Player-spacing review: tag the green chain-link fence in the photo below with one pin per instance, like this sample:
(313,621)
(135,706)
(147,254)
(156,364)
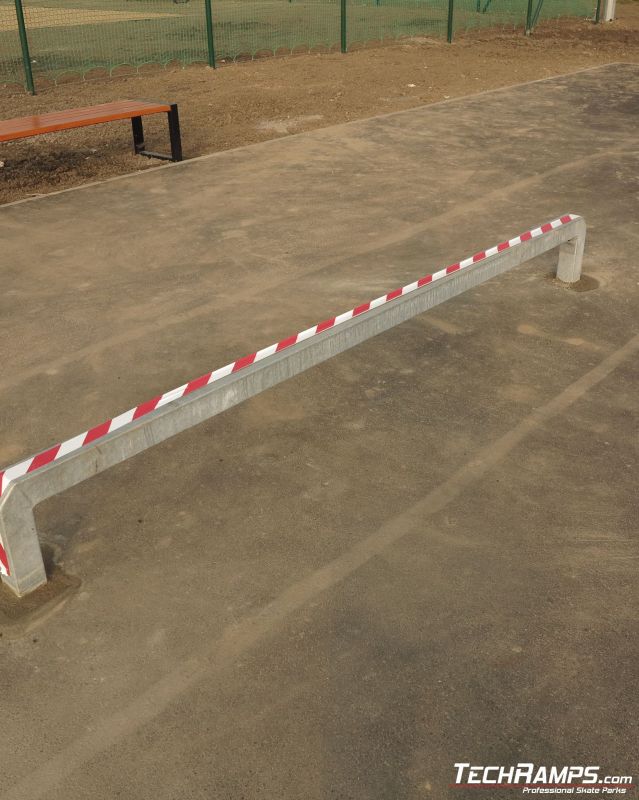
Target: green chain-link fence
(88,37)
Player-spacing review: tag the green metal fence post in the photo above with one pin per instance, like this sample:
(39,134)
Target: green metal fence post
(449,35)
(342,25)
(210,41)
(24,44)
(598,13)
(536,14)
(529,18)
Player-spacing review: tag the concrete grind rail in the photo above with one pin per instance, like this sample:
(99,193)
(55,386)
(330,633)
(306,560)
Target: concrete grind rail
(62,466)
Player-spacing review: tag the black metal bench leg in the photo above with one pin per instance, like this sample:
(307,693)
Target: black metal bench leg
(174,133)
(138,135)
(174,136)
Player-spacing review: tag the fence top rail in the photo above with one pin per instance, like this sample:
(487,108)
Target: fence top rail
(57,451)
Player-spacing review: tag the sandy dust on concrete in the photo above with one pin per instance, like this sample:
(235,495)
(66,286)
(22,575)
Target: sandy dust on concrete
(249,102)
(462,491)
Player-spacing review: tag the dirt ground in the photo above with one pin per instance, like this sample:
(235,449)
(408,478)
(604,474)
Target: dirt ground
(52,18)
(249,102)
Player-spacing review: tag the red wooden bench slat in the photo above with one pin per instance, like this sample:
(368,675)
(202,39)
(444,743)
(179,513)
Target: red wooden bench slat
(23,127)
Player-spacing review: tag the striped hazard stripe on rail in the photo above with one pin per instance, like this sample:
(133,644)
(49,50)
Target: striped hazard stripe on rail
(71,445)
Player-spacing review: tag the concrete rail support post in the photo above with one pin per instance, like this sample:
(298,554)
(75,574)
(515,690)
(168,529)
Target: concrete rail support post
(30,482)
(571,255)
(21,544)
(609,7)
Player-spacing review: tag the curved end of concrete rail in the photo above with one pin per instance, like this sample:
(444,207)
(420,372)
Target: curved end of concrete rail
(62,466)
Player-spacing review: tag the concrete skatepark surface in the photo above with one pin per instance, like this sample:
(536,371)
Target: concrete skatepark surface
(421,552)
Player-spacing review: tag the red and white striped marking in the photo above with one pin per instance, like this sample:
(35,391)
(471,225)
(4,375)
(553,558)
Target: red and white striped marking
(83,439)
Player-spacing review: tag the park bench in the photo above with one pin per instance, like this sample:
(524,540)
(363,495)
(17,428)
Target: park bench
(134,110)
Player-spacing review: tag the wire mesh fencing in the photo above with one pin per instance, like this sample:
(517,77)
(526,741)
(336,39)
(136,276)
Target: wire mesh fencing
(50,39)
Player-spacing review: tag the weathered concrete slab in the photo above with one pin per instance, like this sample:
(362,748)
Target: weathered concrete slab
(421,552)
